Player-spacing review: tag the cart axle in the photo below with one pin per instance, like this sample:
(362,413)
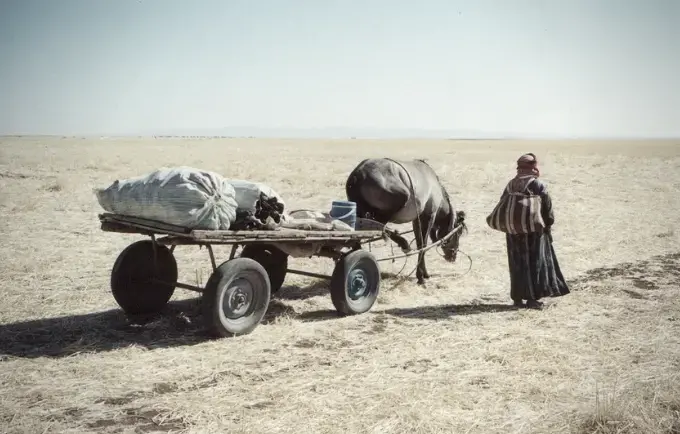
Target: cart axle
(178,285)
(308,274)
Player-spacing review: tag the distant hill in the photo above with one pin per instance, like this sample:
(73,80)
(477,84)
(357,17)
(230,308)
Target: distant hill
(338,132)
(343,133)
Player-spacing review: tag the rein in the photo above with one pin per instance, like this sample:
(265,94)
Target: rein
(425,249)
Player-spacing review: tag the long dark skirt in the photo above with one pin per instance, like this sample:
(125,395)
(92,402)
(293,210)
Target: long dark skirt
(534,270)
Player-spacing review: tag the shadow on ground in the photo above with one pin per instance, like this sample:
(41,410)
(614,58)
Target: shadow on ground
(649,274)
(448,310)
(296,292)
(180,324)
(321,287)
(103,331)
(423,312)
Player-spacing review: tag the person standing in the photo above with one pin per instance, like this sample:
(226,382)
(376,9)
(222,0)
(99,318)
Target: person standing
(534,270)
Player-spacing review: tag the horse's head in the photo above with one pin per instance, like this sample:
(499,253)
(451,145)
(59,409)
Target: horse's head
(455,221)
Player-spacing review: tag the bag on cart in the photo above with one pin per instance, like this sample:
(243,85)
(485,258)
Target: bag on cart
(182,196)
(259,206)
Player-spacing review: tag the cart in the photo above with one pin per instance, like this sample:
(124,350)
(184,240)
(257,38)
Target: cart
(237,294)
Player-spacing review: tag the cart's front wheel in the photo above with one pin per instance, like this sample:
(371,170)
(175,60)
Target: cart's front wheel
(236,297)
(138,285)
(274,261)
(355,283)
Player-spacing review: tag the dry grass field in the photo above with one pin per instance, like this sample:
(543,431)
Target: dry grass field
(452,357)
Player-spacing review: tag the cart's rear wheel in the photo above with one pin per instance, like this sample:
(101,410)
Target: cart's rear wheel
(236,297)
(133,275)
(355,283)
(274,261)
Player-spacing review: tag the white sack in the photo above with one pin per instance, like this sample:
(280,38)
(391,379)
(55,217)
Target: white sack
(248,193)
(182,196)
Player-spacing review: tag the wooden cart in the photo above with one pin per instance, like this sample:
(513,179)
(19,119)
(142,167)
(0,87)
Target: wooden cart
(237,294)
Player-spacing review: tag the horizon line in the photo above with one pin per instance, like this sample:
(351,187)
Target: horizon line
(333,137)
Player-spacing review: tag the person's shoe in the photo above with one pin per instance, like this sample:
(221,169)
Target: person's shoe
(519,303)
(534,304)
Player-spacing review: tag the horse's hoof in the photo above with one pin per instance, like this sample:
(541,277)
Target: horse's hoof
(421,282)
(426,276)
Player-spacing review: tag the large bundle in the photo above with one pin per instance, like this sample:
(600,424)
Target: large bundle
(183,196)
(248,193)
(259,206)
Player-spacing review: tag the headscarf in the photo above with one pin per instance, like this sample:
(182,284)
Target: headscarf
(527,165)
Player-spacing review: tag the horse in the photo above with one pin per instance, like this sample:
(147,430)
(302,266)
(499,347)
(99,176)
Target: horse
(391,191)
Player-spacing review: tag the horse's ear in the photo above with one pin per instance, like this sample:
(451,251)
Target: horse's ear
(460,220)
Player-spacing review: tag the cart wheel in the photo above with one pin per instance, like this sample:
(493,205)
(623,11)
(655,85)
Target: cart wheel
(274,261)
(132,274)
(236,297)
(355,283)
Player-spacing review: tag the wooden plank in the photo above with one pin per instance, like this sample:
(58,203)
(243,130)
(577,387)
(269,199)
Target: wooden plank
(128,224)
(280,234)
(179,240)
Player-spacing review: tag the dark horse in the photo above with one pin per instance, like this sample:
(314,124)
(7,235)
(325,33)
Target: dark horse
(390,191)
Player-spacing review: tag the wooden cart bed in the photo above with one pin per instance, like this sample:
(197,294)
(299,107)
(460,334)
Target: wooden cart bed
(180,235)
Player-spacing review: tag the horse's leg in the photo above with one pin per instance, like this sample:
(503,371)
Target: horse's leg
(420,232)
(398,240)
(423,234)
(364,210)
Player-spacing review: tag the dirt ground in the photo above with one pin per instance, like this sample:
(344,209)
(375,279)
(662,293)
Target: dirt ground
(450,357)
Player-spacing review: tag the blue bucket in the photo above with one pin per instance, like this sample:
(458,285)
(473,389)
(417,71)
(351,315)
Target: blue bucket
(344,211)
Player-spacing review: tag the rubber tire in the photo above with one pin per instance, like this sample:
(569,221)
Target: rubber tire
(272,259)
(365,263)
(219,283)
(131,275)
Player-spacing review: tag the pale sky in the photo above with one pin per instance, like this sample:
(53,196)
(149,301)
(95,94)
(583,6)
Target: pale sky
(536,67)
